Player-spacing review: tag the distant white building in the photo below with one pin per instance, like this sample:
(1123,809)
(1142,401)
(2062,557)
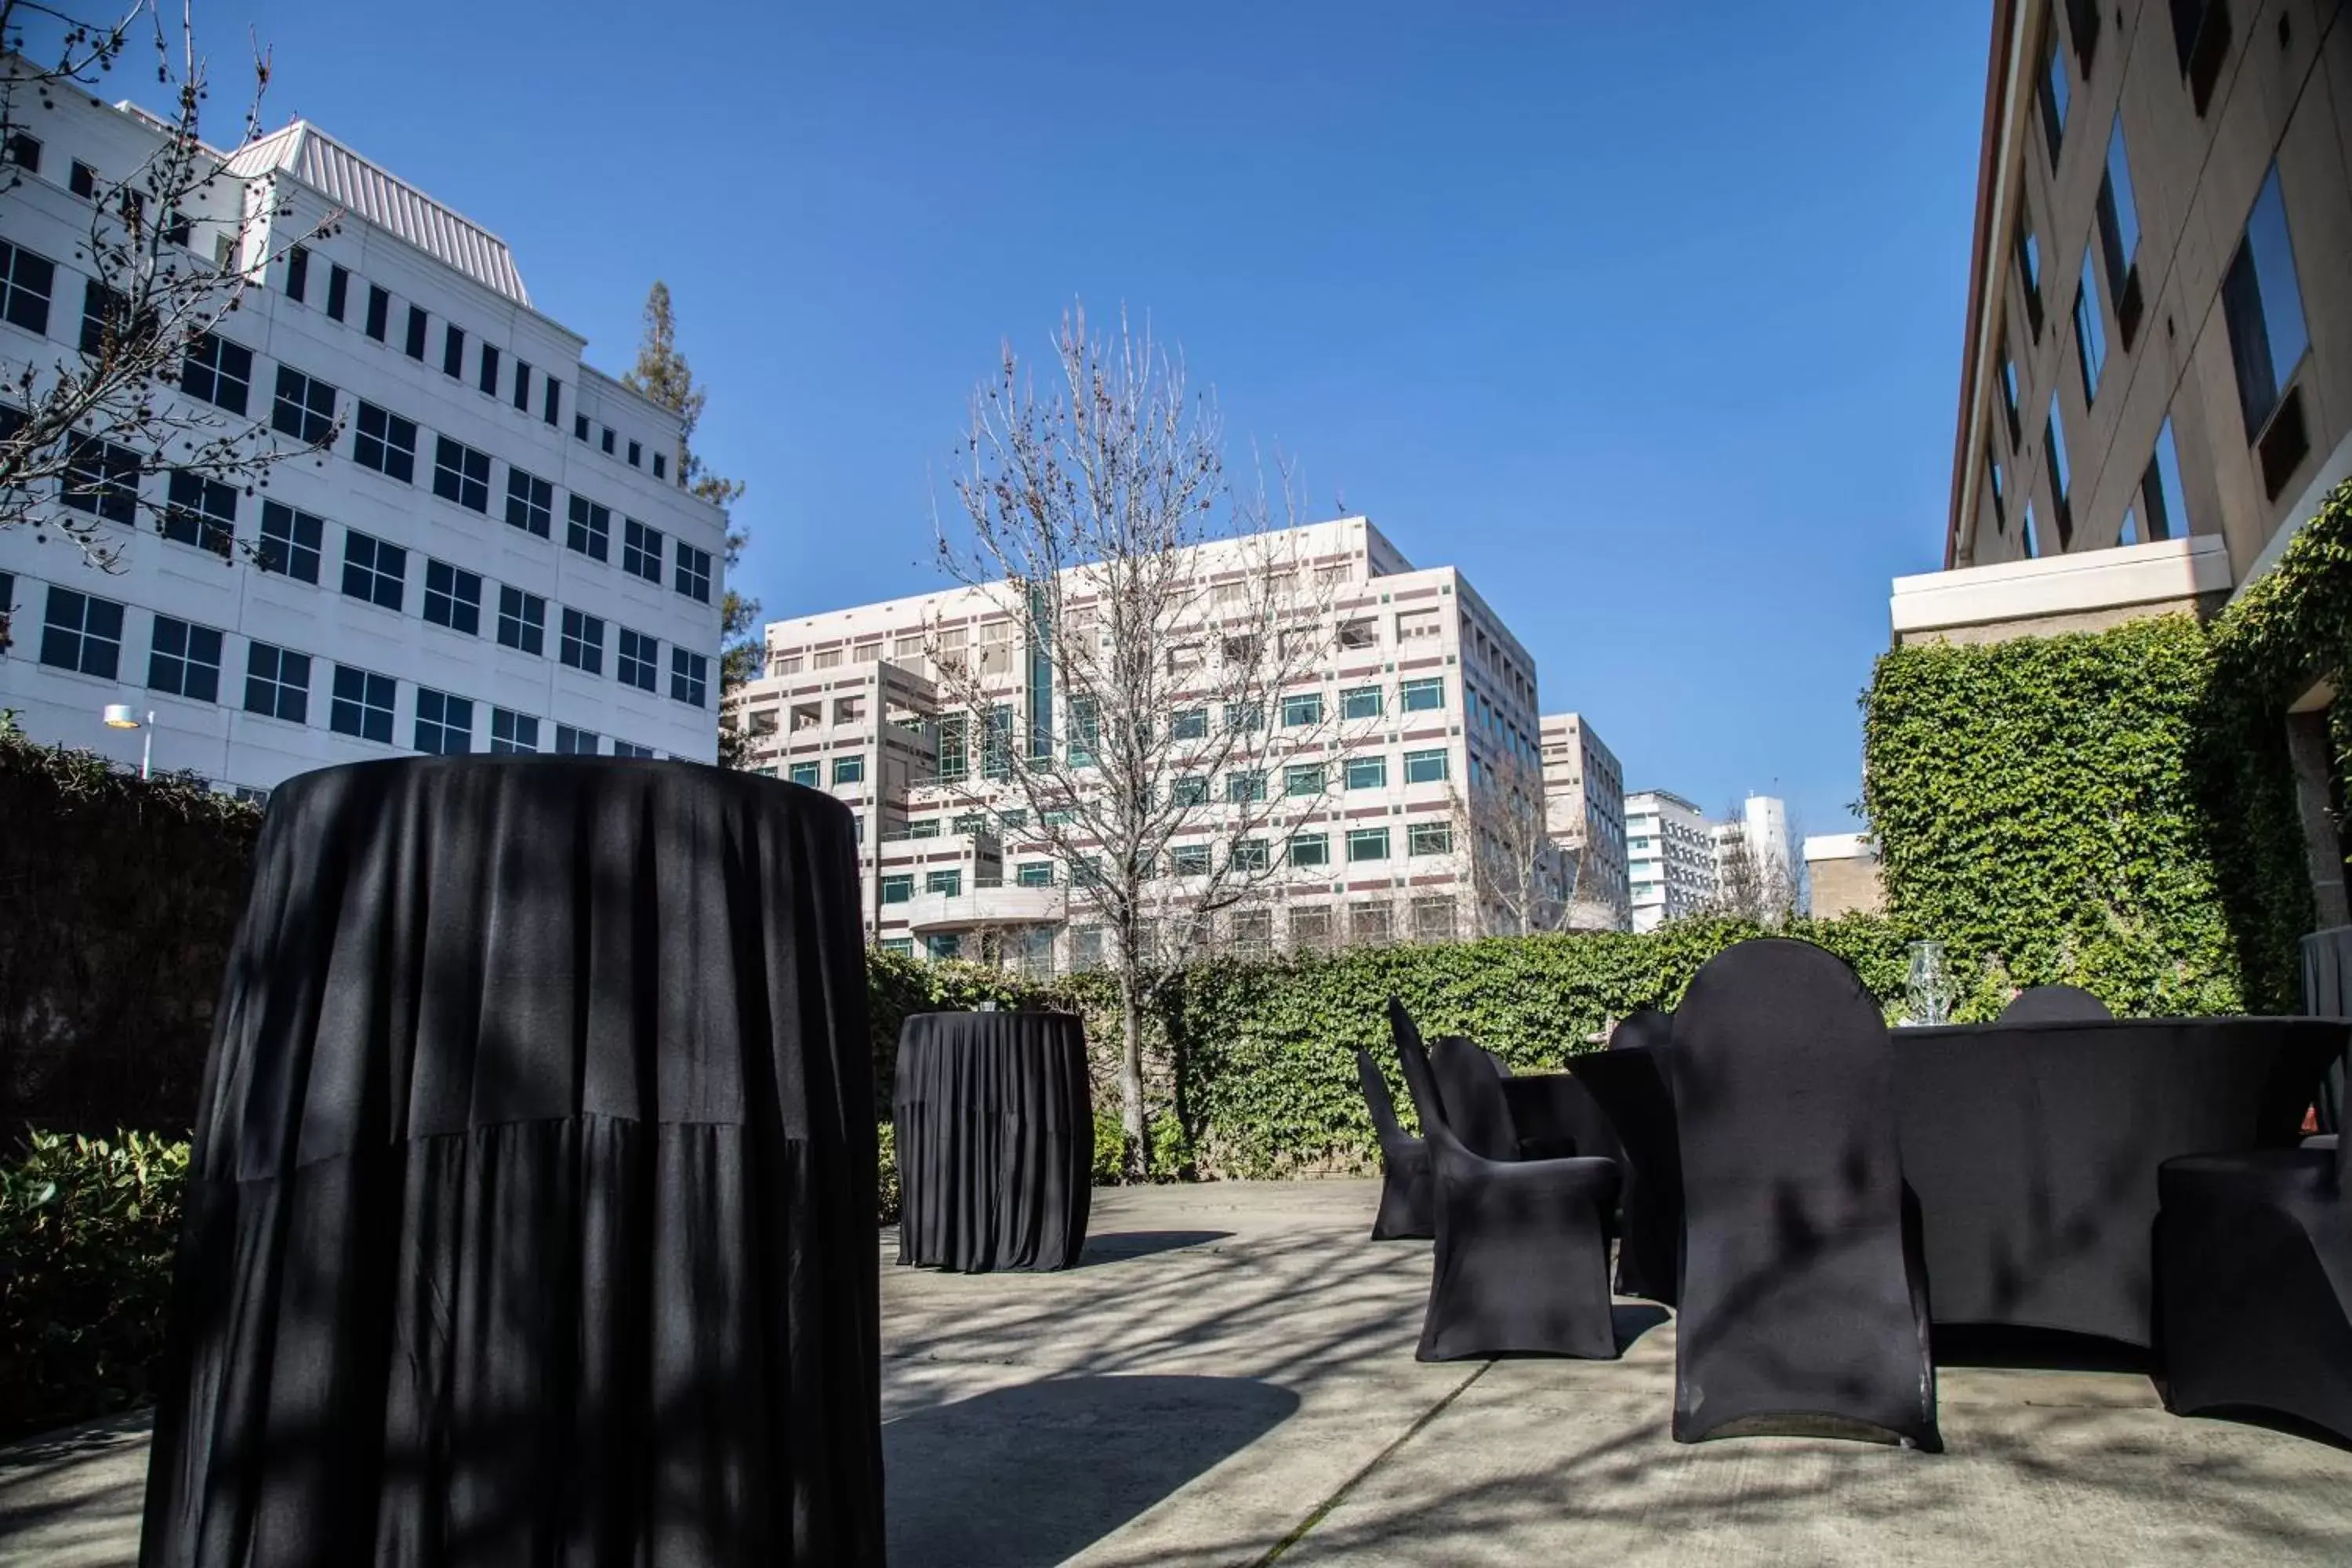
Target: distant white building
(1762,827)
(1669,857)
(495,554)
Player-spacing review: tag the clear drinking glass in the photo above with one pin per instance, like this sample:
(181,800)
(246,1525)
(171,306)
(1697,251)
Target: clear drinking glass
(1929,988)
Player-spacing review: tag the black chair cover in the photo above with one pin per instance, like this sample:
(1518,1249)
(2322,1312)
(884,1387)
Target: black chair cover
(1629,1083)
(1522,1258)
(1801,1295)
(1471,1087)
(996,1140)
(1406,1200)
(1556,1117)
(2254,1274)
(2328,994)
(530,1214)
(1641,1029)
(2053,1004)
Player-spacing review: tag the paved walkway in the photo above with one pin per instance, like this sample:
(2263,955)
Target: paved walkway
(1229,1379)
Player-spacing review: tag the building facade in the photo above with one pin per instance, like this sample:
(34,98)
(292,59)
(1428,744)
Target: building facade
(2157,378)
(1669,857)
(496,553)
(1436,691)
(1584,806)
(1842,873)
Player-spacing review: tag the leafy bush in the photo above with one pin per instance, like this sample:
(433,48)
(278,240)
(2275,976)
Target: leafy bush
(88,1230)
(886,1190)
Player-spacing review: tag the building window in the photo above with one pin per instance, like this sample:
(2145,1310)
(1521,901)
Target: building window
(1310,849)
(361,704)
(2025,534)
(305,409)
(218,371)
(1244,786)
(636,456)
(26,282)
(849,770)
(417,320)
(2082,21)
(22,150)
(2261,299)
(83,633)
(522,386)
(1433,919)
(488,381)
(1249,855)
(580,427)
(1425,695)
(2200,35)
(572,742)
(1429,838)
(591,531)
(1361,703)
(1303,779)
(1368,844)
(106,320)
(638,660)
(453,349)
(513,731)
(1244,718)
(200,511)
(2054,92)
(82,181)
(629,749)
(453,597)
(551,401)
(1188,724)
(462,475)
(693,576)
(661,465)
(641,550)
(2029,273)
(373,570)
(184,660)
(2090,333)
(339,291)
(379,312)
(531,502)
(2119,234)
(2161,494)
(298,273)
(386,443)
(948,883)
(290,541)
(689,677)
(607,442)
(2008,383)
(101,478)
(1992,480)
(2054,432)
(276,683)
(1368,772)
(444,724)
(1425,767)
(1187,860)
(523,620)
(805,773)
(1302,708)
(897,889)
(1189,789)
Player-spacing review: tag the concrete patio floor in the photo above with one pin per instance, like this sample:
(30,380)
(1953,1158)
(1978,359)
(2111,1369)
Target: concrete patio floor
(1229,1379)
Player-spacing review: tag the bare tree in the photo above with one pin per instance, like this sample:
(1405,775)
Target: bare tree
(170,250)
(1523,880)
(1751,883)
(1162,644)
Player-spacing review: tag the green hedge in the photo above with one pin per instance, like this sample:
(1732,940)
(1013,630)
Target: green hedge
(88,1229)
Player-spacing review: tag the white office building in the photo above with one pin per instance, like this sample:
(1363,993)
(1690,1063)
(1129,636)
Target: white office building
(496,553)
(1432,692)
(1669,857)
(1762,828)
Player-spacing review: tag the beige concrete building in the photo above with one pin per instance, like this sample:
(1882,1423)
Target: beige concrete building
(1584,807)
(1433,694)
(2155,380)
(1842,868)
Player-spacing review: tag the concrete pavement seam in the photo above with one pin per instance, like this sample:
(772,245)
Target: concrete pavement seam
(1322,1510)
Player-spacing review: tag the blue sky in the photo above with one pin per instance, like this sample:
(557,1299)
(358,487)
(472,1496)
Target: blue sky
(1647,318)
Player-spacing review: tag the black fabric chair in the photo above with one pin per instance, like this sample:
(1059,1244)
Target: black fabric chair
(1802,1291)
(1405,1175)
(1470,1083)
(1646,1026)
(2054,1005)
(1522,1259)
(2253,1267)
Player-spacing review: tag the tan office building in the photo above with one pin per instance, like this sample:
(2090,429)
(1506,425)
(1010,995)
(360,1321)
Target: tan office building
(2156,381)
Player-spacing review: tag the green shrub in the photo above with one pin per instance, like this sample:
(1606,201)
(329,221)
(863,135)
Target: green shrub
(88,1230)
(886,1190)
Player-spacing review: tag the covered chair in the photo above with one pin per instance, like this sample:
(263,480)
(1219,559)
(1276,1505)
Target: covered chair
(2253,1274)
(1404,1163)
(1803,1297)
(2054,1005)
(1470,1083)
(1643,1027)
(1522,1259)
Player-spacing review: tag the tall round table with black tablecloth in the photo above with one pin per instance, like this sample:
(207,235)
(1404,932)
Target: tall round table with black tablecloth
(1629,1083)
(531,1204)
(995,1140)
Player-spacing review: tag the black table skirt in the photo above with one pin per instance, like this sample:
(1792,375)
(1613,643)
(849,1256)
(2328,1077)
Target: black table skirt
(530,1211)
(996,1140)
(1628,1084)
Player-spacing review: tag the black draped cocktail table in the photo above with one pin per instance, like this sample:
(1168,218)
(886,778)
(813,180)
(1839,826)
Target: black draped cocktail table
(2032,1149)
(995,1137)
(531,1212)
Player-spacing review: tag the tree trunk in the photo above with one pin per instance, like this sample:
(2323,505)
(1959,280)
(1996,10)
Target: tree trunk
(1137,1153)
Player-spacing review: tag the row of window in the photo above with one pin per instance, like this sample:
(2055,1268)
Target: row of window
(1311,926)
(491,370)
(1245,854)
(84,634)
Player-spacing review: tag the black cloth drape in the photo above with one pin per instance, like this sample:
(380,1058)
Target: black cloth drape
(531,1212)
(996,1140)
(1407,1210)
(1629,1083)
(2328,994)
(1470,1083)
(1555,1117)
